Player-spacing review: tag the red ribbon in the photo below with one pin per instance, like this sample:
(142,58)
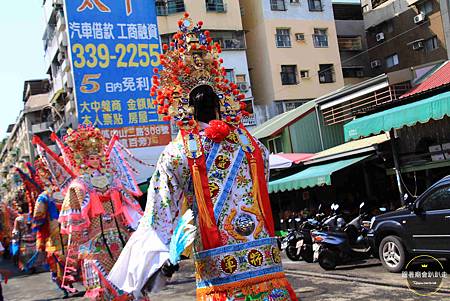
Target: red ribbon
(264,192)
(210,234)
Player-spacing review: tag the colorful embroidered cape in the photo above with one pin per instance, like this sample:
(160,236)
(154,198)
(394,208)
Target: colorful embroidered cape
(99,221)
(247,263)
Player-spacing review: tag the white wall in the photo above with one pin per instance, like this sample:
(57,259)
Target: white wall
(299,11)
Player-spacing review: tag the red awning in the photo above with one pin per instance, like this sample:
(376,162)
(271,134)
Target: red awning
(437,79)
(296,158)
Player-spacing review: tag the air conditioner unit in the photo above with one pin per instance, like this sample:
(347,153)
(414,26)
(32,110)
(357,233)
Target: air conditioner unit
(300,36)
(375,64)
(417,45)
(379,37)
(419,18)
(243,86)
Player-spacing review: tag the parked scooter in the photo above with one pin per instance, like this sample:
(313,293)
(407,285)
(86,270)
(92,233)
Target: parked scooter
(299,243)
(344,243)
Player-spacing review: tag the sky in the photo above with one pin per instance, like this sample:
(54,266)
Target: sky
(21,54)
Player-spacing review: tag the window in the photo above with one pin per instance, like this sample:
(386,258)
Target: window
(431,44)
(439,200)
(289,75)
(283,38)
(230,75)
(229,39)
(320,38)
(304,73)
(290,105)
(392,61)
(425,7)
(167,7)
(353,71)
(215,6)
(315,5)
(389,26)
(376,3)
(240,78)
(326,73)
(277,5)
(275,145)
(295,1)
(350,43)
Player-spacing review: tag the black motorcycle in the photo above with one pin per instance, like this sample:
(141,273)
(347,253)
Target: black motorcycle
(344,243)
(298,243)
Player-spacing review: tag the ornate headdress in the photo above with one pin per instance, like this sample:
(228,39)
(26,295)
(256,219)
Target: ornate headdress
(189,61)
(85,141)
(43,175)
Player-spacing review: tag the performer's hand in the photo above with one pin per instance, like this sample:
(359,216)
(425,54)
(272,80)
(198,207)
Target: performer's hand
(168,269)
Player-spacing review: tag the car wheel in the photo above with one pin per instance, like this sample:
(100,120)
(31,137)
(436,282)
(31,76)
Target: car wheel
(392,254)
(328,260)
(291,253)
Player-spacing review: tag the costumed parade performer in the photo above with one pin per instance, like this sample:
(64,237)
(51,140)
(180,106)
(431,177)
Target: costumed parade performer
(54,178)
(221,170)
(99,211)
(23,244)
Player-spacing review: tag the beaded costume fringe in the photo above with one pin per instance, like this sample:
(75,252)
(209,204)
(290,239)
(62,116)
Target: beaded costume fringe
(248,287)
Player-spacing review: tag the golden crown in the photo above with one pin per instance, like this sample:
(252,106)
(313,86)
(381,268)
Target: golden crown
(190,60)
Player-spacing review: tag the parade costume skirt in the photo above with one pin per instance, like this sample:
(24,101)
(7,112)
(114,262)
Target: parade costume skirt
(246,271)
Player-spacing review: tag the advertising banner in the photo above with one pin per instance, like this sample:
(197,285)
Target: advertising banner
(114,47)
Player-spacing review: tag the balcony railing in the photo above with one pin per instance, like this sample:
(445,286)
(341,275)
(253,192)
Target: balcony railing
(41,127)
(168,7)
(216,6)
(348,110)
(229,40)
(350,44)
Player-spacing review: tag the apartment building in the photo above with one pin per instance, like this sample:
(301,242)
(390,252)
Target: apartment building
(403,34)
(34,119)
(292,51)
(223,19)
(352,42)
(56,55)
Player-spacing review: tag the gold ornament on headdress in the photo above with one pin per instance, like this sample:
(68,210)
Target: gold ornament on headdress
(83,142)
(190,60)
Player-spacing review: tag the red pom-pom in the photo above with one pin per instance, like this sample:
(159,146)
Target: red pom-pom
(191,122)
(217,130)
(180,22)
(186,15)
(166,118)
(165,47)
(200,23)
(180,123)
(235,92)
(228,118)
(243,105)
(207,33)
(155,70)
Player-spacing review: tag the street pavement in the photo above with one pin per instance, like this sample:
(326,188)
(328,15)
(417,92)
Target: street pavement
(366,281)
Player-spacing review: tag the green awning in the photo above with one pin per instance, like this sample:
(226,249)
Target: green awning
(435,107)
(314,176)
